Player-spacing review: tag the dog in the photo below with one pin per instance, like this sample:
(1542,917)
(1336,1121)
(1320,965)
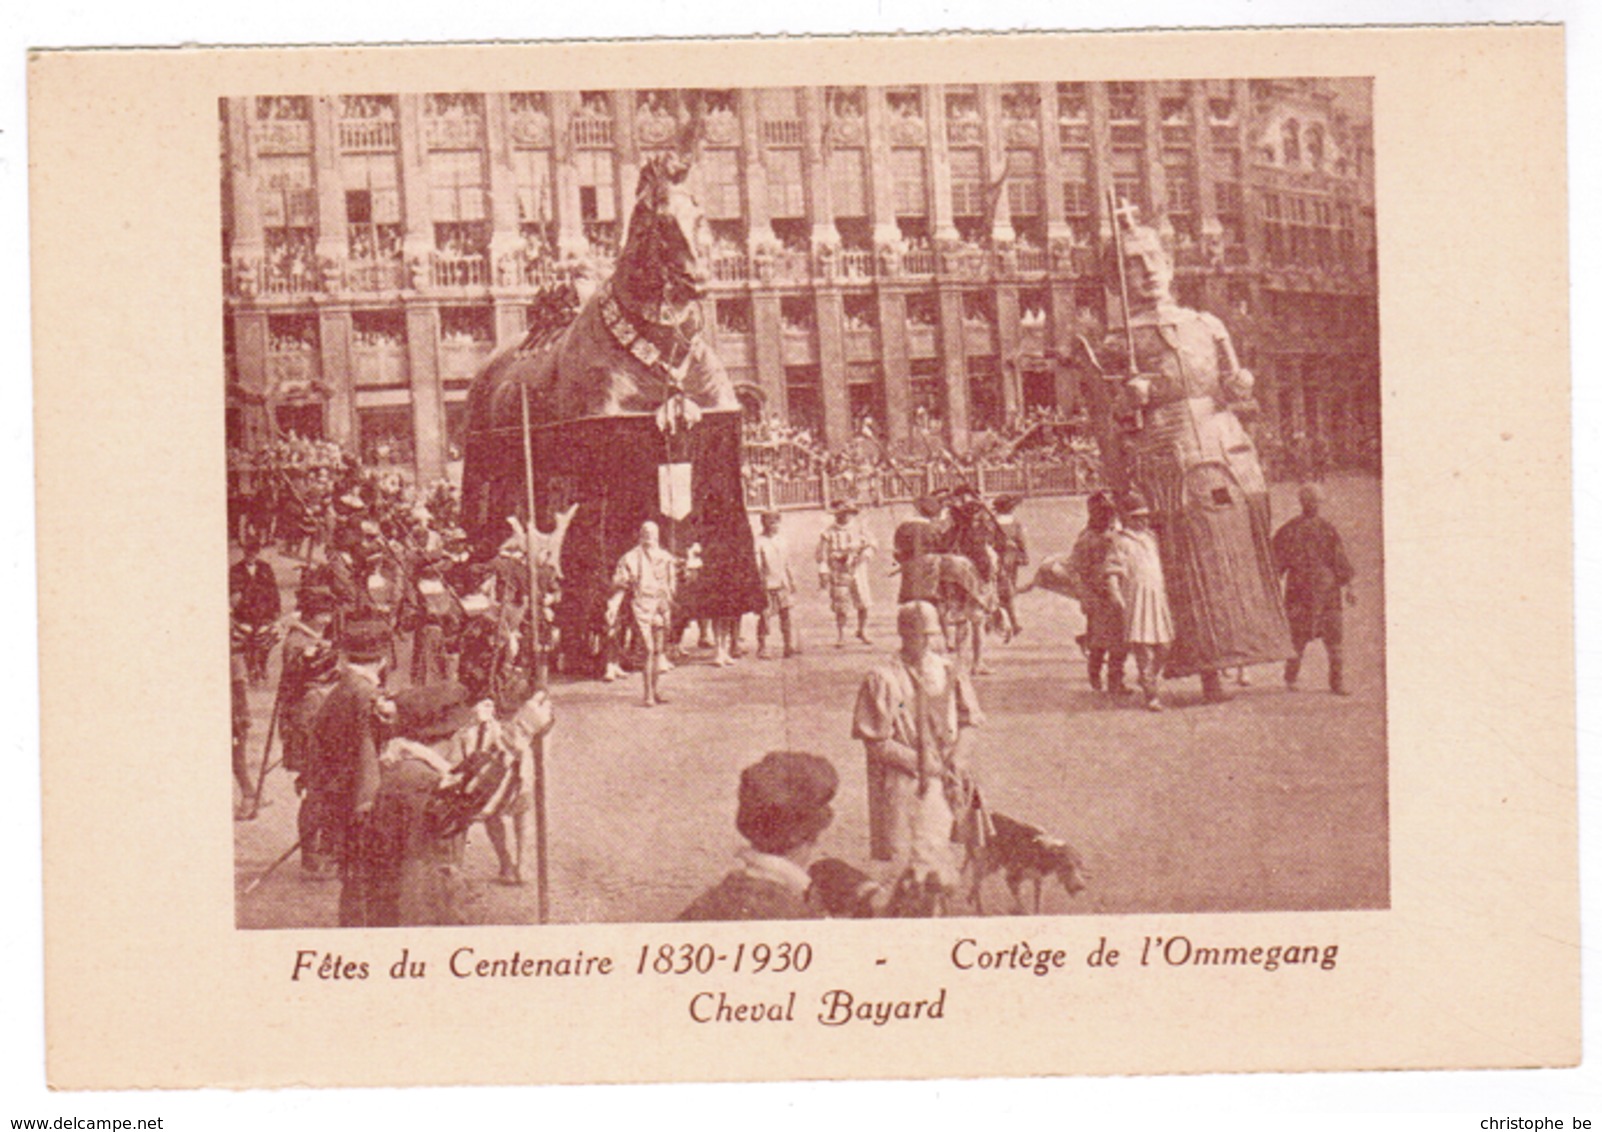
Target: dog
(845,892)
(1023,852)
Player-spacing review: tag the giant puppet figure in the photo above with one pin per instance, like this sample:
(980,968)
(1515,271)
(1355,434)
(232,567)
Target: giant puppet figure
(626,410)
(1168,428)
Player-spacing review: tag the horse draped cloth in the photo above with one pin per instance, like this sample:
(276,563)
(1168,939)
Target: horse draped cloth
(609,405)
(1190,456)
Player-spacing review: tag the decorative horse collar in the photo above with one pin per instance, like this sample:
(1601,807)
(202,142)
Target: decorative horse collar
(665,348)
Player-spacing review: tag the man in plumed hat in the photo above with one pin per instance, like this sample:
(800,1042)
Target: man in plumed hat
(844,550)
(783,810)
(342,772)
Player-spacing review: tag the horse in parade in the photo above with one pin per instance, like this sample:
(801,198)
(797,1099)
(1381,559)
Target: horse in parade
(622,409)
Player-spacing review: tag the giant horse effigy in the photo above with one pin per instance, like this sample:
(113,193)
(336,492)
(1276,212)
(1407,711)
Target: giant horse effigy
(1163,400)
(626,411)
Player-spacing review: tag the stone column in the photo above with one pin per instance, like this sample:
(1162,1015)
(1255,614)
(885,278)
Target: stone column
(815,168)
(248,239)
(339,411)
(1051,166)
(505,238)
(419,222)
(626,146)
(830,315)
(996,161)
(428,400)
(945,227)
(894,364)
(332,243)
(1009,347)
(1101,175)
(570,239)
(759,221)
(767,347)
(954,362)
(881,180)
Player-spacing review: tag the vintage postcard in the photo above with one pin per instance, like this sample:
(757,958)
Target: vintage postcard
(914,557)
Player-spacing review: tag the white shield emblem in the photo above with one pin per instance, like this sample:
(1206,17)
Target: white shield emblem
(673,490)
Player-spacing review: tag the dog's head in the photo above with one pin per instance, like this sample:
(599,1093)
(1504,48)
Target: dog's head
(1068,866)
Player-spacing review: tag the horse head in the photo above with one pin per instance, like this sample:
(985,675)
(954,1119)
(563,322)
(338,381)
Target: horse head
(660,273)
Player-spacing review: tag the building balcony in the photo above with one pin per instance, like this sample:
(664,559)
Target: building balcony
(368,135)
(1032,337)
(967,262)
(454,133)
(782,131)
(532,130)
(784,266)
(919,262)
(856,265)
(1073,134)
(454,272)
(656,130)
(735,349)
(978,338)
(1033,261)
(251,278)
(526,268)
(965,131)
(363,276)
(722,128)
(730,266)
(281,135)
(592,133)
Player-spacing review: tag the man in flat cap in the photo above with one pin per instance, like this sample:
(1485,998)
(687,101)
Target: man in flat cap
(778,581)
(783,810)
(1313,562)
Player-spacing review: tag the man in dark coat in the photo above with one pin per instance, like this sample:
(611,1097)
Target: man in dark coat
(1308,552)
(784,809)
(253,594)
(342,773)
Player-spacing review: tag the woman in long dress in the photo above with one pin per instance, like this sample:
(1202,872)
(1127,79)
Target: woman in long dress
(1142,595)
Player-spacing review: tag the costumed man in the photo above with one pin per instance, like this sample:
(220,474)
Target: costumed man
(915,540)
(239,704)
(783,810)
(1092,582)
(256,605)
(1167,427)
(402,869)
(311,667)
(844,550)
(773,563)
(647,576)
(512,723)
(342,778)
(1310,554)
(1138,589)
(915,715)
(1014,554)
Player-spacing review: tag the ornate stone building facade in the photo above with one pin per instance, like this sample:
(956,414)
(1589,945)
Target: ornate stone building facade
(899,253)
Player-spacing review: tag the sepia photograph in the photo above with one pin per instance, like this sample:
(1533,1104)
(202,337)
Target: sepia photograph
(944,556)
(980,484)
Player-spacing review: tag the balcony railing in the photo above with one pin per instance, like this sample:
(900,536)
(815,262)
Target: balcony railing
(291,369)
(367,275)
(920,261)
(455,271)
(789,266)
(1034,261)
(455,133)
(1022,132)
(909,131)
(856,264)
(592,133)
(722,128)
(262,277)
(965,131)
(730,266)
(367,135)
(282,135)
(783,131)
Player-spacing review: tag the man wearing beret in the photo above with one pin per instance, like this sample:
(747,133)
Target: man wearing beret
(784,808)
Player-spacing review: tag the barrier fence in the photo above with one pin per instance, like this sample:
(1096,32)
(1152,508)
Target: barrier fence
(766,490)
